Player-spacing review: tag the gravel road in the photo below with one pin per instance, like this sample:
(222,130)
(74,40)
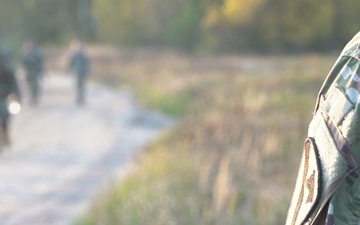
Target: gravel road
(63,155)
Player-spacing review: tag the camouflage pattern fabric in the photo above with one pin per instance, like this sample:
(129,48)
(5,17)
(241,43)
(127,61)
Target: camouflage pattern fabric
(327,190)
(344,206)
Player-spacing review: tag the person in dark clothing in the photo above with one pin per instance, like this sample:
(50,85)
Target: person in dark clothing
(80,65)
(33,62)
(8,89)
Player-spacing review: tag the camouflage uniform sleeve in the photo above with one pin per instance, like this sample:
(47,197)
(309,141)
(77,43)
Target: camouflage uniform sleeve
(327,190)
(344,207)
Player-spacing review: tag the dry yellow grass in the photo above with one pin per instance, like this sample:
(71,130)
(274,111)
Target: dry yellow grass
(232,159)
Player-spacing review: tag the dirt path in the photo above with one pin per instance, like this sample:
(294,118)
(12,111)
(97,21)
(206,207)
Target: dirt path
(63,155)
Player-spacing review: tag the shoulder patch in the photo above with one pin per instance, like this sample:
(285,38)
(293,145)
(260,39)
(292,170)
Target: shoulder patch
(308,184)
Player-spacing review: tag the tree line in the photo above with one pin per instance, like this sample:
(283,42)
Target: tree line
(196,25)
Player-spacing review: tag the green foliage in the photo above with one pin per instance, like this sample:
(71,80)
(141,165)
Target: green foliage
(184,29)
(205,25)
(117,20)
(158,22)
(48,21)
(148,189)
(171,104)
(263,25)
(315,17)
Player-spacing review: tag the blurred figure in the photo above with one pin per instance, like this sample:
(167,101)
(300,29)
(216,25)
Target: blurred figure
(79,64)
(9,89)
(33,62)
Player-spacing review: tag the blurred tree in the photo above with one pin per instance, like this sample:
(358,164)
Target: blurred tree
(10,22)
(313,29)
(54,20)
(345,21)
(276,25)
(267,27)
(183,29)
(229,23)
(149,22)
(45,21)
(240,12)
(114,19)
(226,25)
(37,23)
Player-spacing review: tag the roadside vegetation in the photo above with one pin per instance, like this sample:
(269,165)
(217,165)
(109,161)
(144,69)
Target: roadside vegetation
(242,120)
(234,154)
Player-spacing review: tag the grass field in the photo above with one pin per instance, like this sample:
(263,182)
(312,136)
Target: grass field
(233,157)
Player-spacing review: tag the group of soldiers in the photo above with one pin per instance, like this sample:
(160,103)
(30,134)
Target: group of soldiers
(32,61)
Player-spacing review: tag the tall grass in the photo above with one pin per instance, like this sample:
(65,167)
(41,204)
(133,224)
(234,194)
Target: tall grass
(233,156)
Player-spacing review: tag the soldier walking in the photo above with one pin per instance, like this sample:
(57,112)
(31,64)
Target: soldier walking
(33,62)
(80,65)
(8,88)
